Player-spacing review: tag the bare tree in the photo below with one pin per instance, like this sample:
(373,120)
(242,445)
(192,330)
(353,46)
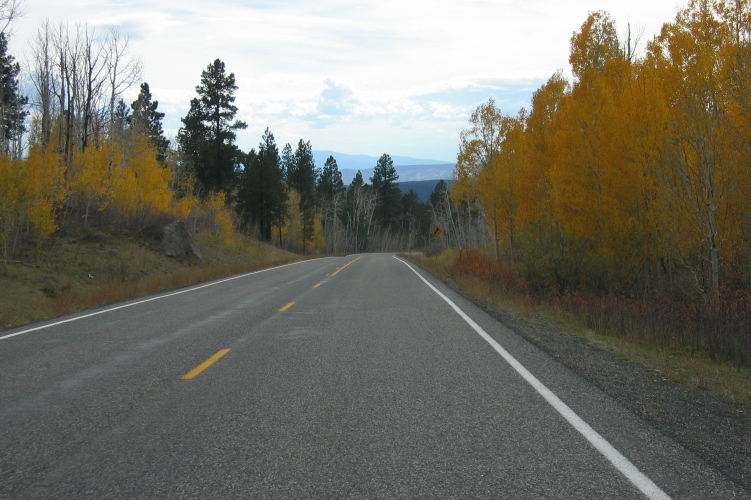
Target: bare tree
(92,83)
(78,78)
(42,75)
(122,73)
(10,10)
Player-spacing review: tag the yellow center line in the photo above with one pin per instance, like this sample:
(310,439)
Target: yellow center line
(345,265)
(198,369)
(316,286)
(287,307)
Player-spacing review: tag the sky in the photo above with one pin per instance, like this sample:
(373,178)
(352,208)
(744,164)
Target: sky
(354,76)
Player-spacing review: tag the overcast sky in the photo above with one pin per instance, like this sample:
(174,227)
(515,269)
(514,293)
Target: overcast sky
(354,76)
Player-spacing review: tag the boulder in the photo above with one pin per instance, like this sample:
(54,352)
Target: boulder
(176,242)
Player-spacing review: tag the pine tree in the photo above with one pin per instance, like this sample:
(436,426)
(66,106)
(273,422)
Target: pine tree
(330,188)
(301,176)
(262,196)
(388,204)
(207,137)
(146,118)
(12,104)
(287,161)
(330,181)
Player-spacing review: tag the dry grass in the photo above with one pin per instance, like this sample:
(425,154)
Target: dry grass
(688,369)
(77,272)
(683,366)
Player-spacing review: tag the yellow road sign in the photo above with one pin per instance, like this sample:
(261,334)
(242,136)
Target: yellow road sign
(437,231)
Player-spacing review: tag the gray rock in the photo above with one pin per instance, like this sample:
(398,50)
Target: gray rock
(176,242)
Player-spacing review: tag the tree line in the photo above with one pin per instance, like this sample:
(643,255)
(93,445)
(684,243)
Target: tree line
(633,178)
(282,196)
(75,154)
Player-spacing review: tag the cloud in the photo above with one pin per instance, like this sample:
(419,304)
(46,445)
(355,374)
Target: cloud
(335,100)
(365,76)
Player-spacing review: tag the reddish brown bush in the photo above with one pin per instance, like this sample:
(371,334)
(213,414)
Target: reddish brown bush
(475,263)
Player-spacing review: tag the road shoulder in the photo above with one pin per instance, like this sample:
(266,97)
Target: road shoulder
(717,431)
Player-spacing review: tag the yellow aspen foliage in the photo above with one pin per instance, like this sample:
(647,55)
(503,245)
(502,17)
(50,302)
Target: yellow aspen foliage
(594,45)
(634,178)
(45,185)
(223,222)
(140,185)
(489,167)
(577,174)
(319,241)
(702,164)
(535,206)
(182,208)
(292,229)
(89,179)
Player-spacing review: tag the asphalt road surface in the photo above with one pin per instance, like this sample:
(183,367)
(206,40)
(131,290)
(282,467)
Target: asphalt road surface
(357,376)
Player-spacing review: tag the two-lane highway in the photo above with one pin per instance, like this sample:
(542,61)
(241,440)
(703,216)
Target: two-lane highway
(357,376)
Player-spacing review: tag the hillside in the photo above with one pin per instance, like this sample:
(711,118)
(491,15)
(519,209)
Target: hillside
(76,271)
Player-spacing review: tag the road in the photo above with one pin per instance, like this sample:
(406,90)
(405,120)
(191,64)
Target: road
(358,376)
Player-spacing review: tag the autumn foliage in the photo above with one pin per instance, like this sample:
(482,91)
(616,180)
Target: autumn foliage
(624,192)
(120,183)
(475,263)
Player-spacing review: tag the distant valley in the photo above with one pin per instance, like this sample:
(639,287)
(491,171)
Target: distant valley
(409,169)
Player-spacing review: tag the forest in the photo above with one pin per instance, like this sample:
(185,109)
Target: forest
(624,192)
(621,192)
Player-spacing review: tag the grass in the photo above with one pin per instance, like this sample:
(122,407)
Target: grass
(80,271)
(686,367)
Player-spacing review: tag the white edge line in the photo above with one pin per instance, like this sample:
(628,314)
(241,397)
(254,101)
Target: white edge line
(637,478)
(186,290)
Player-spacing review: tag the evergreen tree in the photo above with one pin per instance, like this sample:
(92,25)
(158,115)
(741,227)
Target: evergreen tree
(439,194)
(330,186)
(415,219)
(387,190)
(120,118)
(287,161)
(146,118)
(358,181)
(207,137)
(330,181)
(262,196)
(301,176)
(12,103)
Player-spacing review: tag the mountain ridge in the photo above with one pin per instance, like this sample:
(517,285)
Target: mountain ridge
(359,162)
(409,169)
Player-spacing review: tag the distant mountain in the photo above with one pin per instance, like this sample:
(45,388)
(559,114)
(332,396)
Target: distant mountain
(361,162)
(409,169)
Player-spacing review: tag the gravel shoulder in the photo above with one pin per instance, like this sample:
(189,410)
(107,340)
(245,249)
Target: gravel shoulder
(715,430)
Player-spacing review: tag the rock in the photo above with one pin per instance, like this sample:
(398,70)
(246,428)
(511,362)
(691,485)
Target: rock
(176,242)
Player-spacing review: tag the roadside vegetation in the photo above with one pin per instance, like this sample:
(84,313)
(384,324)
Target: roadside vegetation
(77,271)
(640,331)
(618,202)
